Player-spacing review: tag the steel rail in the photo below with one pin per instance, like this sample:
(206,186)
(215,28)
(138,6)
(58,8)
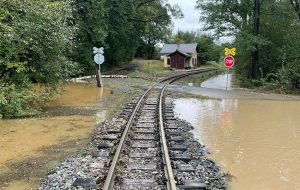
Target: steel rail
(171,185)
(109,182)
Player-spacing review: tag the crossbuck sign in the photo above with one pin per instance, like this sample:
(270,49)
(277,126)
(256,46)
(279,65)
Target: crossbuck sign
(99,59)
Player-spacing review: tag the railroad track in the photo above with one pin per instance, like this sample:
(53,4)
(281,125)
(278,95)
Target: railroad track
(149,147)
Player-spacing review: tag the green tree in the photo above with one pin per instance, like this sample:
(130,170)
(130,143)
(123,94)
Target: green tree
(267,26)
(184,37)
(35,38)
(156,21)
(90,18)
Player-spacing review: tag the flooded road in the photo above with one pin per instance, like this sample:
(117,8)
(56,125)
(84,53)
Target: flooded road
(22,140)
(256,141)
(219,82)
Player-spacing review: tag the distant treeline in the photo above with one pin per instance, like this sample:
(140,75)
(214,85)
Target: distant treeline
(267,38)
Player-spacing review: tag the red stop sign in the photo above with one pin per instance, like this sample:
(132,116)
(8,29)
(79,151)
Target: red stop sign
(229,61)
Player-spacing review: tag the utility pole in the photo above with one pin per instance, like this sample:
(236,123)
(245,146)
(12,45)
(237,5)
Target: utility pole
(255,53)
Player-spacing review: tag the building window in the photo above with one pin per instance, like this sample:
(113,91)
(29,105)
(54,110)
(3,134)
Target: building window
(169,61)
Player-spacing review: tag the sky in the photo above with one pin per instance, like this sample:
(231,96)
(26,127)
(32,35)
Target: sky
(191,16)
(191,20)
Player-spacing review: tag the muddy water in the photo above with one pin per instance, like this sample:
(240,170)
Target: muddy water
(23,139)
(75,94)
(256,141)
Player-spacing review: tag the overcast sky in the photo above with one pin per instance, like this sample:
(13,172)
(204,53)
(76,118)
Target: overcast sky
(191,16)
(191,19)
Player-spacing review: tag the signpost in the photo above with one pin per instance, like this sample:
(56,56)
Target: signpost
(229,60)
(99,59)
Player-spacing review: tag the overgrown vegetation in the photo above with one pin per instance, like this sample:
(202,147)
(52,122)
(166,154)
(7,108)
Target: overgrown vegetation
(34,44)
(153,66)
(45,42)
(266,35)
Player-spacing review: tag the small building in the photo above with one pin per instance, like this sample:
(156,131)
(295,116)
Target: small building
(180,56)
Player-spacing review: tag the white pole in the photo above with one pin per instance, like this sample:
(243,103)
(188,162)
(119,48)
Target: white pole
(227,80)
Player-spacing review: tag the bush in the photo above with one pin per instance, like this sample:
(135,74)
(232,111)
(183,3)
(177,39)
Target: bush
(17,101)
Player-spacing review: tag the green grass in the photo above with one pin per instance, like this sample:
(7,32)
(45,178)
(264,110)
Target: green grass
(152,66)
(186,95)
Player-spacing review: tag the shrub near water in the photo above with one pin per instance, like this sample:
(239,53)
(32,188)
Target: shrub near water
(36,37)
(16,101)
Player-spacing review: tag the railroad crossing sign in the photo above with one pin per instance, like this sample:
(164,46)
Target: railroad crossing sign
(230,51)
(98,50)
(229,61)
(99,59)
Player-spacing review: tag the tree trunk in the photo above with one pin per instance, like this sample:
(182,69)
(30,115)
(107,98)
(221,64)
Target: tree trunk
(296,6)
(255,53)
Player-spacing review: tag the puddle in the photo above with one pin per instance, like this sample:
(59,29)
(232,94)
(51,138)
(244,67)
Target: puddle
(257,141)
(27,139)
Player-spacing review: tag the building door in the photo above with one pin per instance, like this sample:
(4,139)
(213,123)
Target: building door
(177,60)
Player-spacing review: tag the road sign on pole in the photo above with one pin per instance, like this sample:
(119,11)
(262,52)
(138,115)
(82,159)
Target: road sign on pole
(229,61)
(99,59)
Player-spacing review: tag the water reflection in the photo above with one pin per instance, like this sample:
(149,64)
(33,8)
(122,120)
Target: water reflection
(78,94)
(219,82)
(257,141)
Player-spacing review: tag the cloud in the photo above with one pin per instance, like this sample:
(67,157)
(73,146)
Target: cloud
(191,16)
(191,20)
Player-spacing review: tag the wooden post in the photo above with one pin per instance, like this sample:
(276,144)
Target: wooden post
(98,77)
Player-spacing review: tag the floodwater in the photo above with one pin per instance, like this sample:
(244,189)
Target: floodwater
(23,139)
(256,141)
(219,82)
(78,94)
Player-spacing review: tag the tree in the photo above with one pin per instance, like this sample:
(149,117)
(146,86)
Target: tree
(136,23)
(255,53)
(35,40)
(156,17)
(89,17)
(269,27)
(185,37)
(296,6)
